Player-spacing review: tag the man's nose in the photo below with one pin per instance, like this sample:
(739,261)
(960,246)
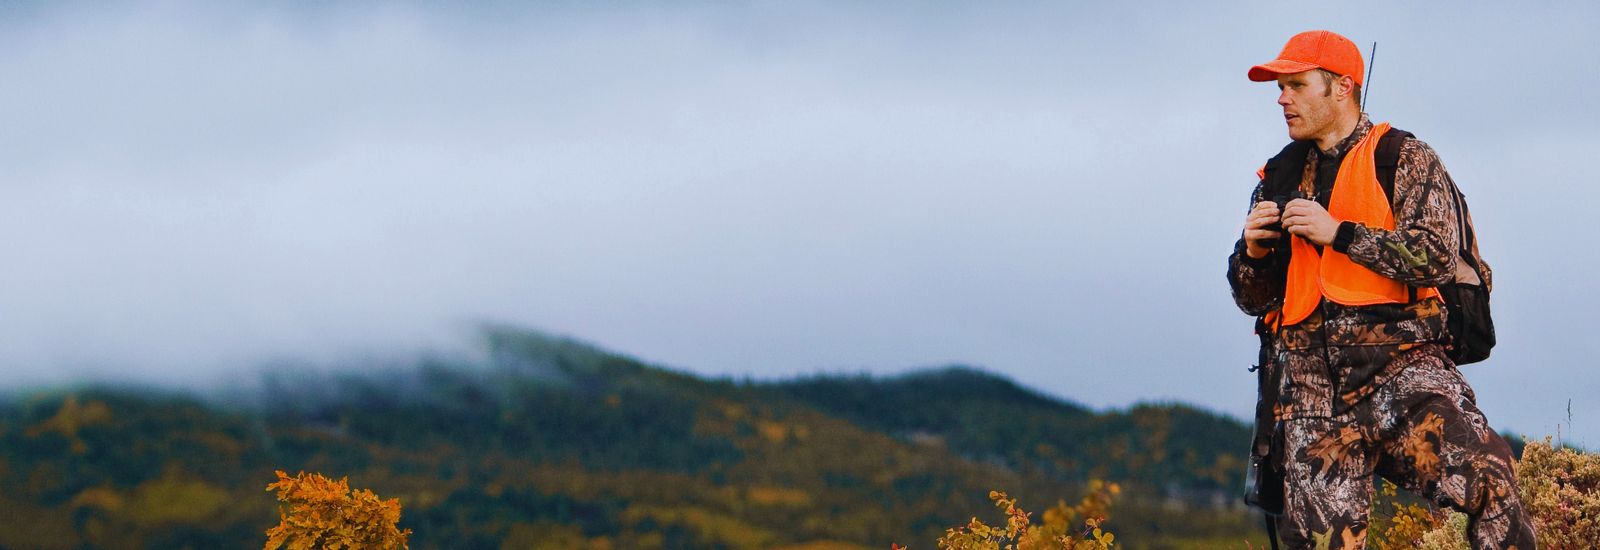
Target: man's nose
(1283,98)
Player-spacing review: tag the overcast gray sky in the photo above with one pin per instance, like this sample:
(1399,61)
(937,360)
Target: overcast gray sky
(1044,190)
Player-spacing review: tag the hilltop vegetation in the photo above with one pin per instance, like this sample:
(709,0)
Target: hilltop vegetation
(551,443)
(987,418)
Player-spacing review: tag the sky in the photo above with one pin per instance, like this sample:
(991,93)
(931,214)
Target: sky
(1045,190)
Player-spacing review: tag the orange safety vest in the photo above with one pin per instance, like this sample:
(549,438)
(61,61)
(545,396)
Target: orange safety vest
(1358,197)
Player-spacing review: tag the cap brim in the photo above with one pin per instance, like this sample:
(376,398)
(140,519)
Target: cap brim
(1270,70)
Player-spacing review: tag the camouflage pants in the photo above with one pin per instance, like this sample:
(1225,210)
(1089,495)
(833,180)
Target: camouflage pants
(1422,430)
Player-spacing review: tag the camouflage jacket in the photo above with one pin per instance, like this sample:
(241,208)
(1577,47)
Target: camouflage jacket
(1341,354)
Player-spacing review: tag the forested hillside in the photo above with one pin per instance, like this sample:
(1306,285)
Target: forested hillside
(991,419)
(550,443)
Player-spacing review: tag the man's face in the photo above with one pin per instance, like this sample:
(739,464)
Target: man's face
(1308,108)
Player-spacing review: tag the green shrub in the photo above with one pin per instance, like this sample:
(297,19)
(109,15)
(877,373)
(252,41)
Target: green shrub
(1560,490)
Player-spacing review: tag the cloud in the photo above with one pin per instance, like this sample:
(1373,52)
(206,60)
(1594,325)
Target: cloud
(1048,191)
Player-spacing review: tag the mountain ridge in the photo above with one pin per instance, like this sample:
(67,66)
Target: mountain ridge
(550,438)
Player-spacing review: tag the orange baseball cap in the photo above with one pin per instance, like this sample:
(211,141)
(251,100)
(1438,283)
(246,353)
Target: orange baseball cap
(1313,50)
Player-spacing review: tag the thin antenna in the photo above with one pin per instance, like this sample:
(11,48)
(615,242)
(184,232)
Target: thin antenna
(1367,90)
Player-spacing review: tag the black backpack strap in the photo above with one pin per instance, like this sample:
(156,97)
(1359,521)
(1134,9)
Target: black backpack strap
(1468,239)
(1272,531)
(1283,171)
(1387,158)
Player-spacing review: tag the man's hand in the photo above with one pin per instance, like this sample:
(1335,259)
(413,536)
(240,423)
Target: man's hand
(1308,219)
(1264,214)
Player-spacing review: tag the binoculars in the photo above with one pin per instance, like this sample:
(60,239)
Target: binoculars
(1282,202)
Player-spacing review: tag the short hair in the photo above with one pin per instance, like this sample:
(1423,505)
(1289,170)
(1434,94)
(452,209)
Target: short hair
(1327,85)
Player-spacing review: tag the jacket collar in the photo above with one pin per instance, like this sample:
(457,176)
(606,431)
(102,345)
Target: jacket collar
(1362,127)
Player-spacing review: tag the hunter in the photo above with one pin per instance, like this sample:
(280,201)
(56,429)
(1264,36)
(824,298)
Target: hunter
(1339,260)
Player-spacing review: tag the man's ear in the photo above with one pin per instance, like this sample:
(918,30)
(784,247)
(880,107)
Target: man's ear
(1346,86)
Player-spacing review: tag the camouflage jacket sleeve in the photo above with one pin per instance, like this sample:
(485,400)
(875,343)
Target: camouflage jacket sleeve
(1421,251)
(1257,283)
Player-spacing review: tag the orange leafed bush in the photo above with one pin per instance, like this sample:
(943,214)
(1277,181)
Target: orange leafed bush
(324,515)
(1055,533)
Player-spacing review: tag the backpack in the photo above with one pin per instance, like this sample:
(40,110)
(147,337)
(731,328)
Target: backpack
(1466,299)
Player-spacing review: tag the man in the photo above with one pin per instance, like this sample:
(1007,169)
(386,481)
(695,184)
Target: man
(1342,279)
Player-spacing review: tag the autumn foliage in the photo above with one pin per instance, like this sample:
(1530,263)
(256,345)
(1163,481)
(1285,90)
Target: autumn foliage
(1058,531)
(325,515)
(1399,525)
(1560,489)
